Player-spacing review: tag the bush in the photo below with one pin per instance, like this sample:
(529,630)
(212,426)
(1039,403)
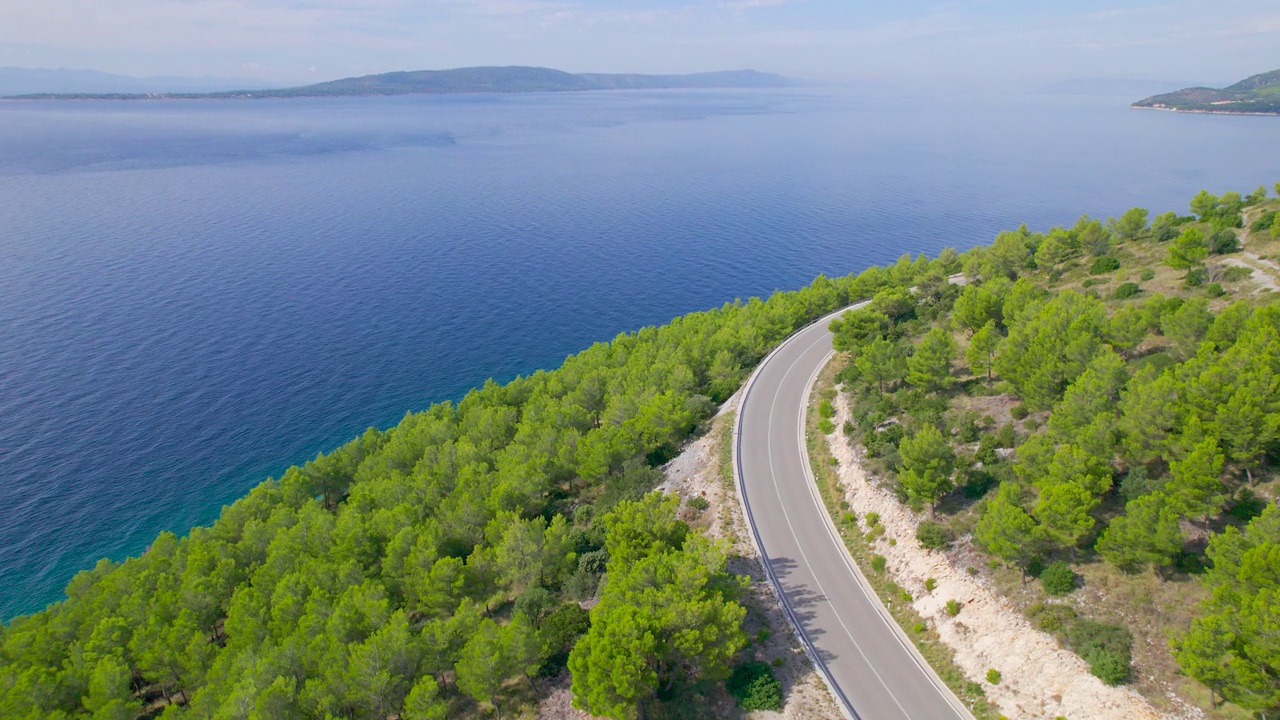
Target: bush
(1019,411)
(1224,242)
(1147,274)
(1195,277)
(826,409)
(933,535)
(1110,667)
(953,607)
(1265,222)
(699,503)
(1214,290)
(1107,648)
(873,519)
(993,676)
(1052,619)
(754,687)
(1235,273)
(1126,291)
(930,584)
(1058,578)
(878,563)
(559,632)
(1007,436)
(826,426)
(1104,264)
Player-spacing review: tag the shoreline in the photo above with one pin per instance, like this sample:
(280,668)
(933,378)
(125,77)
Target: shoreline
(1205,112)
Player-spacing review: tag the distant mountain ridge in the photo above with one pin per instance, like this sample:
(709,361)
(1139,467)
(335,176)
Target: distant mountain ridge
(1255,95)
(511,79)
(26,81)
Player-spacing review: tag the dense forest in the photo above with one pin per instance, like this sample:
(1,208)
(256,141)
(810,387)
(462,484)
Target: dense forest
(1105,393)
(439,568)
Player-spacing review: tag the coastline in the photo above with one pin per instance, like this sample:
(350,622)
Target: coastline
(1204,112)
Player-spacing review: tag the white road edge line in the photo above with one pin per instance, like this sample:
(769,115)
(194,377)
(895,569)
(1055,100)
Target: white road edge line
(863,583)
(778,491)
(789,612)
(824,672)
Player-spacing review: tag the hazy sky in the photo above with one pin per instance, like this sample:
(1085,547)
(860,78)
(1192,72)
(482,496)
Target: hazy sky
(1027,41)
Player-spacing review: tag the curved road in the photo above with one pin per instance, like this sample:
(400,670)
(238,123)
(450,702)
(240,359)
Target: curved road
(868,662)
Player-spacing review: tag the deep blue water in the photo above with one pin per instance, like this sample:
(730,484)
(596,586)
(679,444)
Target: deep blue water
(194,295)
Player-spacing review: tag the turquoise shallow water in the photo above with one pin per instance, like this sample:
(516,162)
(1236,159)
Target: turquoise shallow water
(194,295)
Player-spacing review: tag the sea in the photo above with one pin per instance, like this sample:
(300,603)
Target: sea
(195,295)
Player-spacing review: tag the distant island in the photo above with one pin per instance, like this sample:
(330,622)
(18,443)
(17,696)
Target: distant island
(514,79)
(1257,95)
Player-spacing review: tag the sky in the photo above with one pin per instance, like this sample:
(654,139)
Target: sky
(1023,42)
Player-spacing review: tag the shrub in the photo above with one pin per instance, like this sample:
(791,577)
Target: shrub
(1235,273)
(826,426)
(1265,222)
(1104,264)
(699,503)
(919,628)
(930,584)
(754,687)
(1007,435)
(826,409)
(1107,648)
(1126,290)
(762,636)
(851,518)
(873,519)
(1019,411)
(933,535)
(993,676)
(1195,277)
(1147,274)
(878,563)
(778,662)
(1214,290)
(953,607)
(1110,667)
(1052,618)
(848,428)
(1058,578)
(1224,242)
(559,632)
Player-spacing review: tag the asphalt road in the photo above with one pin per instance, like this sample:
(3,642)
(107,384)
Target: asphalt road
(867,661)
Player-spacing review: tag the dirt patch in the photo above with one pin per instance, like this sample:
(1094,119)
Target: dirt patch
(1038,678)
(997,407)
(1265,272)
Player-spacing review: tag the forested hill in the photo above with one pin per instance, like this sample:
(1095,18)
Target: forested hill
(1259,94)
(514,79)
(1118,405)
(1098,411)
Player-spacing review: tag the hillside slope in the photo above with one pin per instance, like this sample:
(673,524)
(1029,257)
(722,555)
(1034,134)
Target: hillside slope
(511,79)
(1259,94)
